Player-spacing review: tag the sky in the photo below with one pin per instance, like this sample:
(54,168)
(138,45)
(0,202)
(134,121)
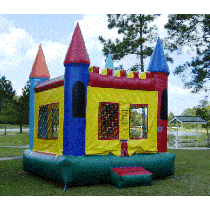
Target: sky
(21,35)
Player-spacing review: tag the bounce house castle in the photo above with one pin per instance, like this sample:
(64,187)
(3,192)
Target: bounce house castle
(87,128)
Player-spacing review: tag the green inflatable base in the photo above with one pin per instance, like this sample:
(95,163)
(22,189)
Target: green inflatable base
(93,169)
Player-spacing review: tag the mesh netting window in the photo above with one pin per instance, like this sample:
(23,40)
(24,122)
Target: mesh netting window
(108,118)
(138,121)
(48,124)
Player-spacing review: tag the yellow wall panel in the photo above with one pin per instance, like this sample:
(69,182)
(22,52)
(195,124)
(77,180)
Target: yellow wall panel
(54,146)
(124,97)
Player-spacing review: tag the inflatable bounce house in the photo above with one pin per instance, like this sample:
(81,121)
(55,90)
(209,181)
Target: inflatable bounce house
(88,127)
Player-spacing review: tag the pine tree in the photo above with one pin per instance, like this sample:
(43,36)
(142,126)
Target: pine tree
(6,97)
(136,30)
(192,30)
(22,106)
(203,111)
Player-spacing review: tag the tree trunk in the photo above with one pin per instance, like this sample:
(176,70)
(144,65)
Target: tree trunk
(142,62)
(141,48)
(5,130)
(5,119)
(21,128)
(207,134)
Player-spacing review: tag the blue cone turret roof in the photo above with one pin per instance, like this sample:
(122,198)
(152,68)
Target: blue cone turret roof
(109,63)
(158,60)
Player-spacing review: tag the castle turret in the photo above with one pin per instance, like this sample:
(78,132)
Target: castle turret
(39,73)
(109,63)
(160,71)
(75,95)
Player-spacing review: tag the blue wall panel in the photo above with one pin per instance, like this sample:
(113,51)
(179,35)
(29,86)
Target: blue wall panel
(74,128)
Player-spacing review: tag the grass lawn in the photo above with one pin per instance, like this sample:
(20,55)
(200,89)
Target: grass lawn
(14,140)
(192,171)
(10,152)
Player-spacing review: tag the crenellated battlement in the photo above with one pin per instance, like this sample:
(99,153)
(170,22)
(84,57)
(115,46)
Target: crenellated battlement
(133,80)
(121,73)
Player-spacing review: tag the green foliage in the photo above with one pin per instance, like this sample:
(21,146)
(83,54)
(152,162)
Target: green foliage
(13,109)
(138,123)
(170,117)
(203,110)
(6,90)
(23,105)
(6,100)
(189,112)
(191,30)
(135,118)
(136,32)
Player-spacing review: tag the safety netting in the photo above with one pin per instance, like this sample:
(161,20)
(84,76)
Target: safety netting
(48,123)
(108,121)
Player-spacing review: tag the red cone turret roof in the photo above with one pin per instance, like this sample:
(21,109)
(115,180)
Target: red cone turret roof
(77,52)
(39,68)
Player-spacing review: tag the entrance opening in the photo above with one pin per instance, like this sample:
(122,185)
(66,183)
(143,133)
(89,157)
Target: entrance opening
(138,121)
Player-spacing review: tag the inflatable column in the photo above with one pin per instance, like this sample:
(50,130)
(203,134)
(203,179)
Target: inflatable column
(160,71)
(39,73)
(76,80)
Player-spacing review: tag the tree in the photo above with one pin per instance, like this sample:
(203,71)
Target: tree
(6,96)
(136,30)
(170,117)
(6,89)
(189,112)
(193,31)
(204,112)
(22,106)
